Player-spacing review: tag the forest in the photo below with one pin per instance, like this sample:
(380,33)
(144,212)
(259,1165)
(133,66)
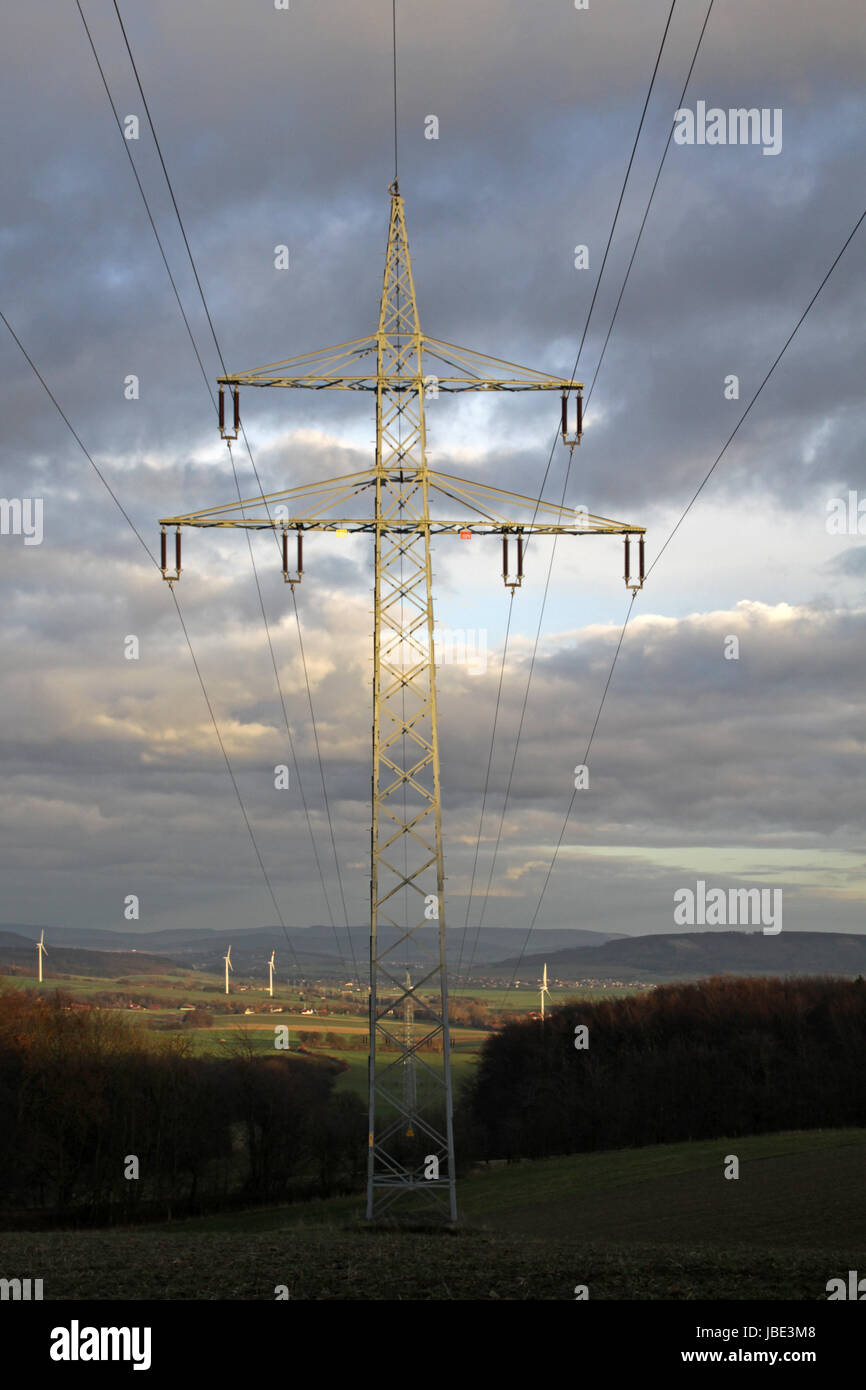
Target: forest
(719,1058)
(106,1122)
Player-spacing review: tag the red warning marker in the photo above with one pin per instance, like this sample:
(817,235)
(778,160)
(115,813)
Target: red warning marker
(465,535)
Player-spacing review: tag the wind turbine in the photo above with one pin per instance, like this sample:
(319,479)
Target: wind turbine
(544,990)
(228,960)
(271,971)
(41,950)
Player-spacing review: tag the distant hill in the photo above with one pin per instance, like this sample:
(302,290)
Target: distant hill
(18,952)
(315,950)
(687,955)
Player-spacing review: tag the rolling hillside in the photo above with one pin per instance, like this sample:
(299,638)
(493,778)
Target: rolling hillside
(653,1223)
(18,953)
(693,955)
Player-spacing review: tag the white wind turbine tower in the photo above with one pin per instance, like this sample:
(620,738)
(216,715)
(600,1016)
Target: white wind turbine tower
(271,972)
(41,950)
(228,960)
(544,990)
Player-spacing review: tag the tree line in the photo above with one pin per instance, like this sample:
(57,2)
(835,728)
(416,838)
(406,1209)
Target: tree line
(103,1121)
(719,1058)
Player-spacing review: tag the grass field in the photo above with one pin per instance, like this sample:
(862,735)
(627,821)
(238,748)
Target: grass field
(355,1079)
(525,999)
(652,1223)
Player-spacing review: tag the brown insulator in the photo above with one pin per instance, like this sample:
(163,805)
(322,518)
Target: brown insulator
(579,414)
(177,550)
(627,558)
(519,557)
(640,551)
(237,396)
(222,410)
(564,416)
(164,558)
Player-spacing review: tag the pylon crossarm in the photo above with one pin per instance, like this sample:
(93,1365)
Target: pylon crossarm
(394,519)
(413,362)
(462,489)
(527,378)
(330,490)
(365,525)
(321,368)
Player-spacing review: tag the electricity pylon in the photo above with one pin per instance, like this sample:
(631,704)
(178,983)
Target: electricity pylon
(391,501)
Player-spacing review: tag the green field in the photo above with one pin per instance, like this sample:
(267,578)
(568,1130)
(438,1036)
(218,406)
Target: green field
(189,987)
(207,1041)
(526,1000)
(355,1079)
(651,1223)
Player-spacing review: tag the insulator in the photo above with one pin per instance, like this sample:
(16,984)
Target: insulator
(293,579)
(519,557)
(640,550)
(164,558)
(564,416)
(579,414)
(222,410)
(505,558)
(177,550)
(237,400)
(627,558)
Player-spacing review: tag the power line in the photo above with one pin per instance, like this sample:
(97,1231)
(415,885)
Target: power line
(670,537)
(486,784)
(649,204)
(155,562)
(773,367)
(519,729)
(234,783)
(394,34)
(126,146)
(555,854)
(170,188)
(624,182)
(540,496)
(235,476)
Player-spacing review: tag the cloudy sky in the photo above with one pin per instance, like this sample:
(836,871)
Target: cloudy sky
(276,128)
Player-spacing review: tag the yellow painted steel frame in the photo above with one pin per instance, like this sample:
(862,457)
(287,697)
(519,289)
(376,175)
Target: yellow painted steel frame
(407,877)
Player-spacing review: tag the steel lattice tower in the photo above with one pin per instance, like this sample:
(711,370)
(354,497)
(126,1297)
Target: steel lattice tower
(409,1125)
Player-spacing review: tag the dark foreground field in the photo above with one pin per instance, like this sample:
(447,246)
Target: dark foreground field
(649,1223)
